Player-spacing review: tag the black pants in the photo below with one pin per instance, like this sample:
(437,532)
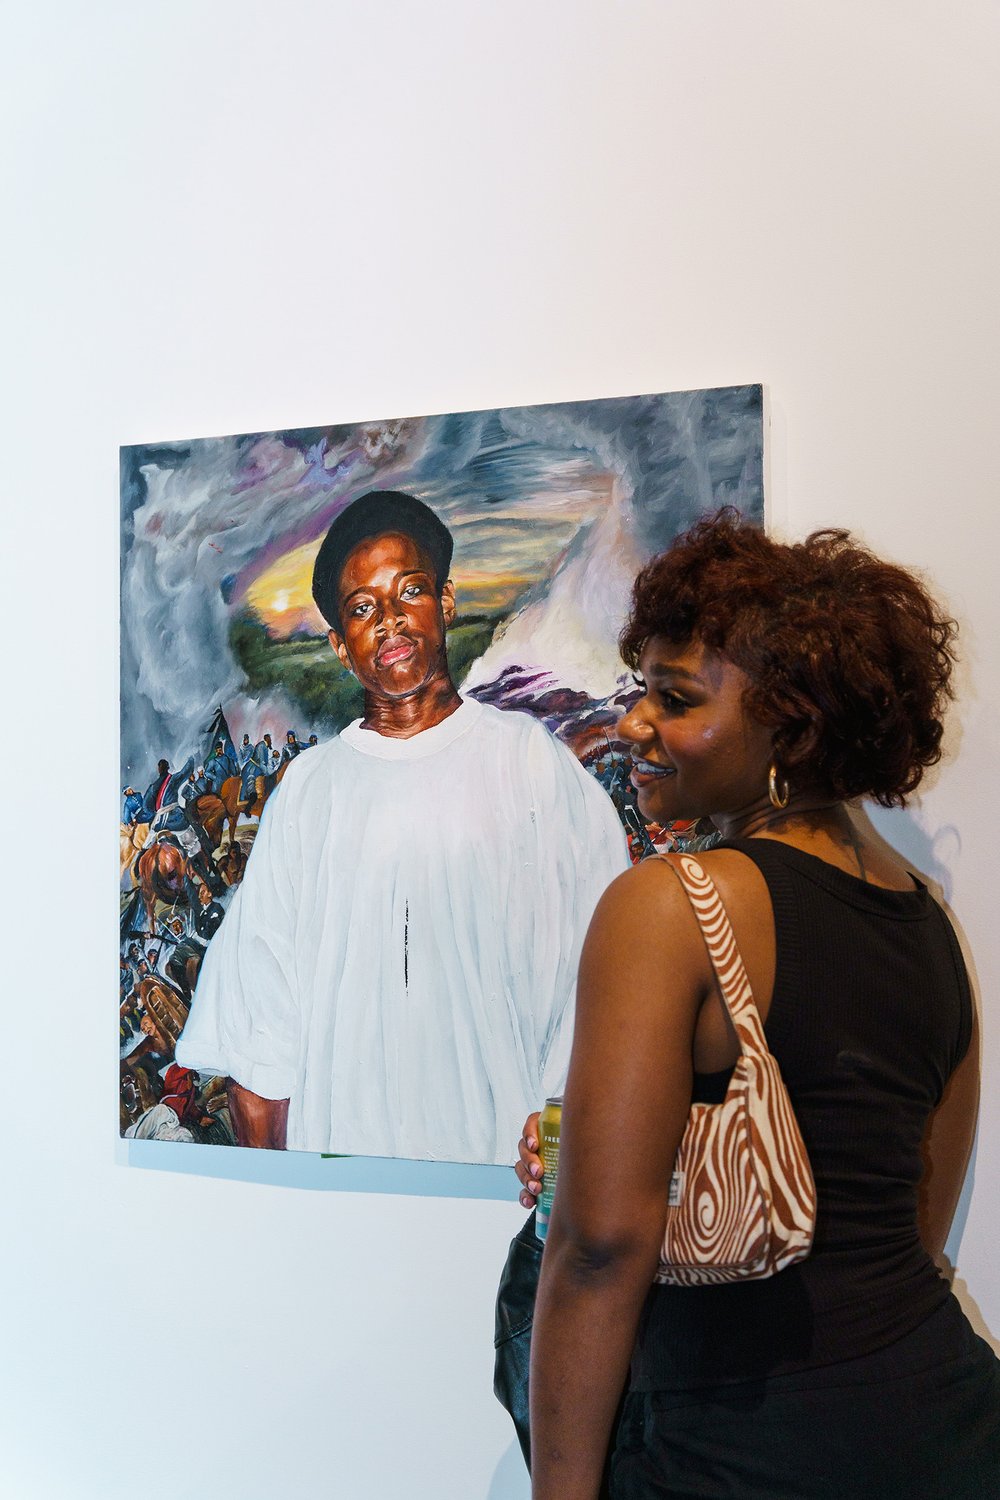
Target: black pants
(919,1420)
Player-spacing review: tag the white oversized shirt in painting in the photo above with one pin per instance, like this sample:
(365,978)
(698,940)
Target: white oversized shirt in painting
(400,959)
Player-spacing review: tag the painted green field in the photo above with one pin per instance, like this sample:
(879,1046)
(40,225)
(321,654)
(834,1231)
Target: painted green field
(312,677)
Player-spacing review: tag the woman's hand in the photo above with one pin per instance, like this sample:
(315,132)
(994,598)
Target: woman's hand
(529,1169)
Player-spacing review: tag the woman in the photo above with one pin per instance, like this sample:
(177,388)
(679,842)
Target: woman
(779,682)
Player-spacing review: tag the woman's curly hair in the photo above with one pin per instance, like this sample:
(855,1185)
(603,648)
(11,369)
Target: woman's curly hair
(849,659)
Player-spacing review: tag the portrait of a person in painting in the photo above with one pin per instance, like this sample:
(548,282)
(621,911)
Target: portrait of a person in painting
(395,974)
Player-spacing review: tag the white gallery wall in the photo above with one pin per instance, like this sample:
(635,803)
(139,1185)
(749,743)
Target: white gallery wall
(226,217)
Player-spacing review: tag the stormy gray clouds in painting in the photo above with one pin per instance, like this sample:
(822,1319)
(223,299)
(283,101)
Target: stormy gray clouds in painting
(553,509)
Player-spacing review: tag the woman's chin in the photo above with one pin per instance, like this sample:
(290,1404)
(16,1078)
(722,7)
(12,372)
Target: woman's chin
(655,803)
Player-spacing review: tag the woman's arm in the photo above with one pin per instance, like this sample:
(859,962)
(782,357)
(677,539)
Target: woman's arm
(643,975)
(946,1149)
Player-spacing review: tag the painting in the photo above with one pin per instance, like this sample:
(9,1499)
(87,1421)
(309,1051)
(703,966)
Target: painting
(371,785)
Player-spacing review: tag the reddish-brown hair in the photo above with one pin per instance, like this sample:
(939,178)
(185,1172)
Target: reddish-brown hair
(849,658)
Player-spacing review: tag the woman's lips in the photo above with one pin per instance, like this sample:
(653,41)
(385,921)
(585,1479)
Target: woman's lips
(644,772)
(396,648)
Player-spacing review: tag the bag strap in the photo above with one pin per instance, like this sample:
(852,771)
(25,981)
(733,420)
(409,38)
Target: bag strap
(720,941)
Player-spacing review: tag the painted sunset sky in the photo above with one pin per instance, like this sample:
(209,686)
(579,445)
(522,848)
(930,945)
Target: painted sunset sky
(500,552)
(553,508)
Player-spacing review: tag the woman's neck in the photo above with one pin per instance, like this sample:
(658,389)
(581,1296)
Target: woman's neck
(819,827)
(804,817)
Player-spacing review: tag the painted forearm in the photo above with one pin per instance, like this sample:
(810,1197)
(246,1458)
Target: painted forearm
(257,1122)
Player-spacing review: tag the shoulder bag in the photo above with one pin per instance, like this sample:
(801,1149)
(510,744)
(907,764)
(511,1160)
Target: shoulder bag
(742,1201)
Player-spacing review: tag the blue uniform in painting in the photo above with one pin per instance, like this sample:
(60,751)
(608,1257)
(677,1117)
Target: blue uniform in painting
(248,772)
(218,768)
(266,757)
(291,748)
(132,809)
(265,762)
(163,793)
(191,790)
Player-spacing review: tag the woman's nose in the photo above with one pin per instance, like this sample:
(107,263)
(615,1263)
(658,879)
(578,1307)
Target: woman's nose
(633,727)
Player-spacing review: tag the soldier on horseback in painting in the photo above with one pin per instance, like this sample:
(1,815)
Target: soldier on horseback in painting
(259,764)
(174,797)
(291,748)
(196,786)
(162,802)
(161,794)
(132,806)
(267,761)
(249,771)
(219,767)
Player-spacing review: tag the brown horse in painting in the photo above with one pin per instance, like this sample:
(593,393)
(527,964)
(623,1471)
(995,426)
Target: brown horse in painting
(232,864)
(263,787)
(133,838)
(214,812)
(163,875)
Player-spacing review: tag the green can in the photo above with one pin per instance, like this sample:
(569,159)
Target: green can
(549,1126)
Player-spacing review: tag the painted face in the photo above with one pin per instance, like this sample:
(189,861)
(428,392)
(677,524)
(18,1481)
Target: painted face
(695,751)
(393,619)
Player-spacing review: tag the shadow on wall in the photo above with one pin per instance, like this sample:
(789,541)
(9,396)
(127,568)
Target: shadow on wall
(933,855)
(510,1478)
(307,1169)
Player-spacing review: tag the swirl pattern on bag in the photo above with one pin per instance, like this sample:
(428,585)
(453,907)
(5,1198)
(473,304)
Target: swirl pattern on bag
(742,1202)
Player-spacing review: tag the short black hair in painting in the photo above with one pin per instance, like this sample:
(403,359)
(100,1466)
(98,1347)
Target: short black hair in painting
(376,514)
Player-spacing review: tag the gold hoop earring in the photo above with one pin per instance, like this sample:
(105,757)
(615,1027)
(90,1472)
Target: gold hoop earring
(778,790)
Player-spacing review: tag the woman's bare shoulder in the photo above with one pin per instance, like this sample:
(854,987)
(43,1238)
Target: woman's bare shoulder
(650,883)
(747,901)
(647,906)
(644,952)
(656,879)
(736,876)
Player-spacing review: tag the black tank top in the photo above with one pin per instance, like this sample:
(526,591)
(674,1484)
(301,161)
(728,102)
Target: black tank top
(870,1014)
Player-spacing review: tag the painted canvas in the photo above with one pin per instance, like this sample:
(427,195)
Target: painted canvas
(371,783)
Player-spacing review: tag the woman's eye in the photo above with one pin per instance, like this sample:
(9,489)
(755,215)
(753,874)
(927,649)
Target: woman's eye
(412,590)
(360,610)
(672,702)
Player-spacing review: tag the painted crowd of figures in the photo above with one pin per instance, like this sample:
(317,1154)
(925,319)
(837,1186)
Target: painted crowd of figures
(184,847)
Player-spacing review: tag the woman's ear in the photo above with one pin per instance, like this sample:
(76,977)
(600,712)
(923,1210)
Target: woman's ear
(796,745)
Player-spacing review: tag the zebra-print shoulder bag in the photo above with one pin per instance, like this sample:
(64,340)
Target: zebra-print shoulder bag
(742,1201)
